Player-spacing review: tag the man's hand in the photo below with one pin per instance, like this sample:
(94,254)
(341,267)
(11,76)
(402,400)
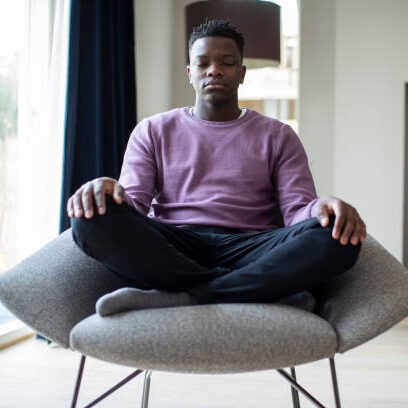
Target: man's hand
(91,195)
(348,226)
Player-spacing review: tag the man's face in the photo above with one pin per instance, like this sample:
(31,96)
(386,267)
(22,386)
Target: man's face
(215,69)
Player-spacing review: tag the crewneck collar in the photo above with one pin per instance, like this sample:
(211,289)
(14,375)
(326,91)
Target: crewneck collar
(244,114)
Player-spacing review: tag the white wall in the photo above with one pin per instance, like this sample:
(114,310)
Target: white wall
(316,89)
(154,56)
(370,70)
(161,72)
(183,93)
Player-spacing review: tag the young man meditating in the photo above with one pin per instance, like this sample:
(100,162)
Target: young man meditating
(217,178)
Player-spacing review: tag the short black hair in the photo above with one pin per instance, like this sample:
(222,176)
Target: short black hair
(217,28)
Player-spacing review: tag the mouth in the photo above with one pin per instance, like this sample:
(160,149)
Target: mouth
(214,85)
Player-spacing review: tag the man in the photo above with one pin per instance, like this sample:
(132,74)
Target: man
(216,177)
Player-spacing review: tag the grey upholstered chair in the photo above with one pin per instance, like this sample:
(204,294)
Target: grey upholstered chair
(55,290)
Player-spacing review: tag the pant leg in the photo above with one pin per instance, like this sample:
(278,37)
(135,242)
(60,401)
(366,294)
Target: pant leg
(146,252)
(272,265)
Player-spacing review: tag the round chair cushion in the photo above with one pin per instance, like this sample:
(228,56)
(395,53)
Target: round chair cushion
(221,338)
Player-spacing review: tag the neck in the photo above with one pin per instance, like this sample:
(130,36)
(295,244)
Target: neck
(216,113)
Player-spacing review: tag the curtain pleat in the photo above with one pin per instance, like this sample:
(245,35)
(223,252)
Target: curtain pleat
(101,93)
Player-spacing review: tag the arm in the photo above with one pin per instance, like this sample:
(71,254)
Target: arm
(138,175)
(297,194)
(135,186)
(292,178)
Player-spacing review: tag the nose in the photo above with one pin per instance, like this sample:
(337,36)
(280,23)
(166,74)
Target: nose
(214,70)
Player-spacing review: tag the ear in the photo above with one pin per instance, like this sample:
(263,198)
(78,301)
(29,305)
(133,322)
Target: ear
(189,73)
(243,72)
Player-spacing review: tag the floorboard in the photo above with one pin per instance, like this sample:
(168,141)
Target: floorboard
(34,374)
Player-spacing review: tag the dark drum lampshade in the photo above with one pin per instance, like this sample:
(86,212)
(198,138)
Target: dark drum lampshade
(258,21)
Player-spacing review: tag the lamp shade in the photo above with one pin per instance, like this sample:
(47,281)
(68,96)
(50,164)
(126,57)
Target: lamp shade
(258,21)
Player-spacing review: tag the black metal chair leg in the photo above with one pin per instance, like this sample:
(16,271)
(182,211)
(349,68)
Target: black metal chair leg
(105,394)
(114,388)
(295,387)
(295,384)
(295,392)
(78,381)
(335,383)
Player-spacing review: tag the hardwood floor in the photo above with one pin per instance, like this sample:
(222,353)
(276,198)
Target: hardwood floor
(33,374)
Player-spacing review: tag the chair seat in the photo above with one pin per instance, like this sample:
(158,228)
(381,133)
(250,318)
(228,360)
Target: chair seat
(222,338)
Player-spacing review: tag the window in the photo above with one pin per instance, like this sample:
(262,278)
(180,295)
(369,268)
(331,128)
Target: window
(274,91)
(10,38)
(33,55)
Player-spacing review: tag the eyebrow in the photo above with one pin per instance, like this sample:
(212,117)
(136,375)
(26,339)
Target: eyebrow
(222,56)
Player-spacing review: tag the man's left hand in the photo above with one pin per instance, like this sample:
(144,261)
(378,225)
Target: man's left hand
(348,226)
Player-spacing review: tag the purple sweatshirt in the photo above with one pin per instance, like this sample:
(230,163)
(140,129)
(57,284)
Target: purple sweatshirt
(233,174)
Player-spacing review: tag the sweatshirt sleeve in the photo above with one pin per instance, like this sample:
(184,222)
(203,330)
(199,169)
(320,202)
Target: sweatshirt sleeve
(292,178)
(138,172)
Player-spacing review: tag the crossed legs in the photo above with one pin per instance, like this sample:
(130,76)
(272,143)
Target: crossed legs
(206,265)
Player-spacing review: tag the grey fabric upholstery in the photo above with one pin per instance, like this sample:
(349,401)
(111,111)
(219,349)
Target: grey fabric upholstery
(207,339)
(55,288)
(368,299)
(54,291)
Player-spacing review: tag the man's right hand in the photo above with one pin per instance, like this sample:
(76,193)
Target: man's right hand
(91,196)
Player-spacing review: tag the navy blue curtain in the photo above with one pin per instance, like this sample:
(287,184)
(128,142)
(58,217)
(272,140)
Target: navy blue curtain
(101,93)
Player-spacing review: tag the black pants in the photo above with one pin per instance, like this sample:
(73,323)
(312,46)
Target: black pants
(216,265)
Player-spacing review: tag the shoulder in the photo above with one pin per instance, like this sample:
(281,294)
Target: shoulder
(275,129)
(165,118)
(280,135)
(160,123)
(257,119)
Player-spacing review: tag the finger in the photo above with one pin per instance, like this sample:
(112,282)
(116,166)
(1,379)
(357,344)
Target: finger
(360,232)
(323,215)
(350,223)
(118,192)
(77,203)
(348,231)
(101,188)
(339,223)
(70,207)
(324,220)
(87,200)
(356,238)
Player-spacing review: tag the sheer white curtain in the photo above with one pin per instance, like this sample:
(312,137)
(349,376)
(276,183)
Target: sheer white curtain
(41,115)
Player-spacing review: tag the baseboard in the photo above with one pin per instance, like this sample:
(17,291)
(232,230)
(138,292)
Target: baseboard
(13,332)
